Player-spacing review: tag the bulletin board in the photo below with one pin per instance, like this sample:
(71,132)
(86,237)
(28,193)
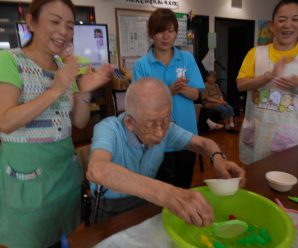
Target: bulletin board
(132,38)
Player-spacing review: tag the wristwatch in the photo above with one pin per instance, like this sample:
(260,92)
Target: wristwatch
(217,153)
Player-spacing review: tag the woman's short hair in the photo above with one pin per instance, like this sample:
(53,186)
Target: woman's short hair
(161,20)
(36,7)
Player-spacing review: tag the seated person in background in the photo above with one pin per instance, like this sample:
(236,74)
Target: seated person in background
(127,150)
(212,98)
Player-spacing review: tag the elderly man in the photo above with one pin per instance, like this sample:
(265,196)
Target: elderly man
(128,150)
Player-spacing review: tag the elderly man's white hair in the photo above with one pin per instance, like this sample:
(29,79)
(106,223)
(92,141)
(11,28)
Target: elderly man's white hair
(149,93)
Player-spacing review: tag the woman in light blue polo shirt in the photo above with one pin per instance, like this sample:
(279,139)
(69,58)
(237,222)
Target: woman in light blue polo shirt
(179,71)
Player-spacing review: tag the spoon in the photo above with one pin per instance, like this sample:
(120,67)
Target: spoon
(293,198)
(229,229)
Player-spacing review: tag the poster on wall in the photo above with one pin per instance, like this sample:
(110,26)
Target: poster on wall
(169,4)
(265,35)
(134,39)
(132,36)
(181,39)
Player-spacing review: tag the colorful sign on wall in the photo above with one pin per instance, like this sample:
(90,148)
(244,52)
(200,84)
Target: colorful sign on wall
(265,35)
(155,3)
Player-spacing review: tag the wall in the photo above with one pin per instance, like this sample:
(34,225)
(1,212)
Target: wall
(251,9)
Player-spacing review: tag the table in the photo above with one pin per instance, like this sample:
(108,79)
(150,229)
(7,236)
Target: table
(92,235)
(286,161)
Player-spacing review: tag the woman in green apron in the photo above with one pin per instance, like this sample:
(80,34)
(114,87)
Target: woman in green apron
(40,177)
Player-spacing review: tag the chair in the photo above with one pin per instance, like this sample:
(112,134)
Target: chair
(208,113)
(205,114)
(119,96)
(83,156)
(198,108)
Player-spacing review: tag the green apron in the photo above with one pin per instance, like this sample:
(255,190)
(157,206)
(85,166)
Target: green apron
(40,188)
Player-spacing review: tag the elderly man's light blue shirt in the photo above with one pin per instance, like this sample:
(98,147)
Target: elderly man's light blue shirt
(112,135)
(181,64)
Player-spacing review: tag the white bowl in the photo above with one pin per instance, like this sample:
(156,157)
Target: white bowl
(223,187)
(280,181)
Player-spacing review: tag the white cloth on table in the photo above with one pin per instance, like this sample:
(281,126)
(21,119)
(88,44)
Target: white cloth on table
(296,240)
(294,218)
(149,233)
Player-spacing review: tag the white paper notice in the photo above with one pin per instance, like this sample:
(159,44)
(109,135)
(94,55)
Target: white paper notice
(134,39)
(209,60)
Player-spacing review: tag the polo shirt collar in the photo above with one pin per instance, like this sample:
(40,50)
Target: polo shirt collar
(176,56)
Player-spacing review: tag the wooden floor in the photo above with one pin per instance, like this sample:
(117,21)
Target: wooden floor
(229,144)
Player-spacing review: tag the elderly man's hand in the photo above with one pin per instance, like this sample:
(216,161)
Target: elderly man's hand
(229,169)
(189,205)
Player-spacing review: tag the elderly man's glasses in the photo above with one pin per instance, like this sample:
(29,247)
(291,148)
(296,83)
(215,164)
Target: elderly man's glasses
(151,126)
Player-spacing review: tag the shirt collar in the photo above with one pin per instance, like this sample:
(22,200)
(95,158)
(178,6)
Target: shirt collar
(176,56)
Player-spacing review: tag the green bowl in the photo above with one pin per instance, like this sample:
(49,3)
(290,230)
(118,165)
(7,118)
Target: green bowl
(250,207)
